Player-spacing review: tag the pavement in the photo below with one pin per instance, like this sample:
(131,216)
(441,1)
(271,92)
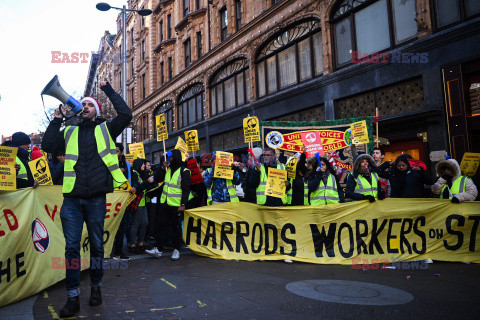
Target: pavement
(197,287)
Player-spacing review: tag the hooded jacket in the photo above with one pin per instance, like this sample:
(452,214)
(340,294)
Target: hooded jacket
(352,179)
(471,191)
(315,178)
(56,170)
(137,170)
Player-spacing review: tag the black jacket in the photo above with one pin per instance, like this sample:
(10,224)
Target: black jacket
(56,170)
(352,182)
(93,178)
(408,184)
(24,156)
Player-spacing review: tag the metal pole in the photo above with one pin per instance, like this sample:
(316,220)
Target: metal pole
(124,68)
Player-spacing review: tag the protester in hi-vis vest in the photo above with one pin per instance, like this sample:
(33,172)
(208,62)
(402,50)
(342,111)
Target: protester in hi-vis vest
(24,174)
(298,193)
(451,184)
(175,195)
(363,183)
(90,172)
(221,190)
(258,179)
(323,185)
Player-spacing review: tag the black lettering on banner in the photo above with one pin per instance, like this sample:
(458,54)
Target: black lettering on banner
(210,234)
(291,242)
(5,270)
(403,232)
(193,229)
(320,239)
(389,235)
(20,264)
(459,234)
(267,238)
(421,234)
(241,235)
(85,244)
(223,235)
(107,233)
(375,233)
(260,242)
(350,240)
(473,234)
(361,246)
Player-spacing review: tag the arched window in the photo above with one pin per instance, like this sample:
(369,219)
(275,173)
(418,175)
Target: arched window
(230,86)
(292,56)
(369,26)
(448,12)
(190,105)
(167,108)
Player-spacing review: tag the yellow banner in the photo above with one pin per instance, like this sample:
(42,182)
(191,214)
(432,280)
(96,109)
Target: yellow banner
(162,131)
(360,132)
(251,129)
(191,138)
(32,243)
(469,164)
(344,233)
(182,146)
(41,171)
(292,168)
(223,165)
(8,173)
(276,183)
(137,149)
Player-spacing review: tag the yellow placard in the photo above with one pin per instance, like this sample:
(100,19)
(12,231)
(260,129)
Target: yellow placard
(276,183)
(223,165)
(41,171)
(182,146)
(191,138)
(470,163)
(347,233)
(137,149)
(251,129)
(292,168)
(359,132)
(45,155)
(130,157)
(125,186)
(8,173)
(162,131)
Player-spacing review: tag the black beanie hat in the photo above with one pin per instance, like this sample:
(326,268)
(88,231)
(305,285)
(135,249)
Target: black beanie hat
(20,139)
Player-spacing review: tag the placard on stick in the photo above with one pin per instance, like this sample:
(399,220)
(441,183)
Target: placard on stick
(360,132)
(223,165)
(41,171)
(276,183)
(191,138)
(162,131)
(137,149)
(292,168)
(8,173)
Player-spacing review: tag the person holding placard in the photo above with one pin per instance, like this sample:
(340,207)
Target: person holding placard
(363,183)
(24,175)
(298,193)
(451,184)
(323,185)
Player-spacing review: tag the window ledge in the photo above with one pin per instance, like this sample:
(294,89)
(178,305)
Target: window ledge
(164,43)
(188,18)
(160,5)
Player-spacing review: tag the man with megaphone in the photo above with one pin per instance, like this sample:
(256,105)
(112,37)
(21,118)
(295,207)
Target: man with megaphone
(91,171)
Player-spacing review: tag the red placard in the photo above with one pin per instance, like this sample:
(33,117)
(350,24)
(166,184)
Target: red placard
(196,176)
(313,143)
(417,163)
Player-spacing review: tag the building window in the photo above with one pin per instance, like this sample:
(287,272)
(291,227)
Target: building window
(169,26)
(274,2)
(165,107)
(143,50)
(199,45)
(132,98)
(369,26)
(143,128)
(291,56)
(132,38)
(198,4)
(190,105)
(449,12)
(132,70)
(170,68)
(238,14)
(186,7)
(230,86)
(142,19)
(223,24)
(162,73)
(161,30)
(143,86)
(187,52)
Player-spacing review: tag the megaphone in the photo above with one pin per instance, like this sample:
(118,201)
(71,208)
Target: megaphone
(54,89)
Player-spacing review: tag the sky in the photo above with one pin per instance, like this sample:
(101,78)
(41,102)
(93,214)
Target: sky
(29,31)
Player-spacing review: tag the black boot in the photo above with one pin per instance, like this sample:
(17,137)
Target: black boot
(71,307)
(95,297)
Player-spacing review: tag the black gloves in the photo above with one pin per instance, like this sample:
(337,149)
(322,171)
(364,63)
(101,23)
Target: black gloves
(369,198)
(455,200)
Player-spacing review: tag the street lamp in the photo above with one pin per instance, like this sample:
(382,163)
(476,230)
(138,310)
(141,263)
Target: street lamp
(102,6)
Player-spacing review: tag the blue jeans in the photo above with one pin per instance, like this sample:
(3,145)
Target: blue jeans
(74,212)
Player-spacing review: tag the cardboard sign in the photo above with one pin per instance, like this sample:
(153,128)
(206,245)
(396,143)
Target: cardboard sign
(359,132)
(41,171)
(8,173)
(137,149)
(251,129)
(276,183)
(470,163)
(182,146)
(195,175)
(313,143)
(292,168)
(223,165)
(130,157)
(125,186)
(162,131)
(191,137)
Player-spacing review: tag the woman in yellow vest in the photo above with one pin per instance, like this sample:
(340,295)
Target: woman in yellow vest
(364,183)
(323,184)
(452,185)
(24,175)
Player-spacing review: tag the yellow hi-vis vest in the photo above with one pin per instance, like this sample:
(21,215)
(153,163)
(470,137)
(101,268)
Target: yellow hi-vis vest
(172,188)
(364,187)
(325,194)
(261,197)
(305,193)
(457,187)
(106,151)
(142,202)
(22,173)
(230,188)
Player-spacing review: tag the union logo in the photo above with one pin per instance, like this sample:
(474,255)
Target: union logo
(40,237)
